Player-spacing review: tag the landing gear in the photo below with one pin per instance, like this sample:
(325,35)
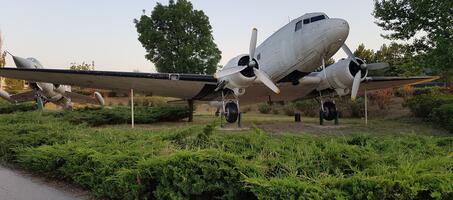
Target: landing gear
(230,110)
(328,112)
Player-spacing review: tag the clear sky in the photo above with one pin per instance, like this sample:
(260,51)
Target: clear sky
(64,31)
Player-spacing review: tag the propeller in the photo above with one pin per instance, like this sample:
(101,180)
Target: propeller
(260,75)
(363,66)
(356,85)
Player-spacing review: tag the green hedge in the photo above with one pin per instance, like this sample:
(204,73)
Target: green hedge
(198,163)
(435,108)
(443,115)
(122,115)
(23,107)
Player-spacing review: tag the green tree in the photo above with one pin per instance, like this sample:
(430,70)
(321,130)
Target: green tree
(366,54)
(178,39)
(425,25)
(82,67)
(401,61)
(2,53)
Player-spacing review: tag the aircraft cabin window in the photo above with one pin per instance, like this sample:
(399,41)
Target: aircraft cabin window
(258,56)
(317,18)
(298,25)
(306,21)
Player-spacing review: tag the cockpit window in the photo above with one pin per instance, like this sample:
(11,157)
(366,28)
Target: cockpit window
(318,18)
(306,21)
(298,25)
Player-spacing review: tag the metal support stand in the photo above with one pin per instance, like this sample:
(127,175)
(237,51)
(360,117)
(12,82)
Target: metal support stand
(222,112)
(366,108)
(39,103)
(132,108)
(190,102)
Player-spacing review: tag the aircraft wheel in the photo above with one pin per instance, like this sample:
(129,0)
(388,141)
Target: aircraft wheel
(231,112)
(330,111)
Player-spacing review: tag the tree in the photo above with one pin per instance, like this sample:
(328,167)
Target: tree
(366,54)
(400,59)
(178,39)
(82,67)
(425,25)
(2,53)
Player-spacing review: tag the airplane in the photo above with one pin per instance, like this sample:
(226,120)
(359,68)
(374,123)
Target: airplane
(43,92)
(283,68)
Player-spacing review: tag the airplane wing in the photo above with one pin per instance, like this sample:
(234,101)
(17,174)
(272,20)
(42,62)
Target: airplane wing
(80,98)
(376,83)
(184,86)
(23,97)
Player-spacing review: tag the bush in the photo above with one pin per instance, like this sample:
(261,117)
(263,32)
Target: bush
(422,105)
(309,107)
(443,116)
(122,115)
(289,109)
(427,90)
(23,107)
(198,163)
(264,108)
(381,97)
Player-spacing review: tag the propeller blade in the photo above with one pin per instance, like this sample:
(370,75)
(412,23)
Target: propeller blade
(253,41)
(264,78)
(349,53)
(356,85)
(229,71)
(377,66)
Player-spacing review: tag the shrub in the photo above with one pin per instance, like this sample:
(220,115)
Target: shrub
(23,107)
(443,116)
(264,108)
(309,107)
(381,97)
(289,109)
(422,105)
(122,115)
(435,90)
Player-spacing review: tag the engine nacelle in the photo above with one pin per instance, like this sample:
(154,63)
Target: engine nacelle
(239,81)
(340,76)
(61,89)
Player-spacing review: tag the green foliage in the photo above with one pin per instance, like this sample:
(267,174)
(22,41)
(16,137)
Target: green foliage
(428,24)
(178,39)
(308,107)
(264,108)
(23,107)
(122,115)
(422,105)
(82,67)
(366,54)
(443,116)
(289,109)
(198,163)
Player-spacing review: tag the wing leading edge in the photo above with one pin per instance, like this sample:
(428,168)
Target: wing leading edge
(184,86)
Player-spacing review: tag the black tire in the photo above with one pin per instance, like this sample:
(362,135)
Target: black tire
(330,111)
(231,112)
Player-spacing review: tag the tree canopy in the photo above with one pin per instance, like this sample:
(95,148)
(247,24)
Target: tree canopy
(425,28)
(178,39)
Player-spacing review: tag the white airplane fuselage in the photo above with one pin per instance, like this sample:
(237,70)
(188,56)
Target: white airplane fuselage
(300,46)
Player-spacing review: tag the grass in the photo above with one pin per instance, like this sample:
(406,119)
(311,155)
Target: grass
(388,159)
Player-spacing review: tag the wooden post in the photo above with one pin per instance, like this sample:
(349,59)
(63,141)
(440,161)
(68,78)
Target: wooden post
(132,108)
(190,102)
(366,108)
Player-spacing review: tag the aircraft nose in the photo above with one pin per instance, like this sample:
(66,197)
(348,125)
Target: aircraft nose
(339,29)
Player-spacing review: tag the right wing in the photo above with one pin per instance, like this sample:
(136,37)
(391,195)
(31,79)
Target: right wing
(184,86)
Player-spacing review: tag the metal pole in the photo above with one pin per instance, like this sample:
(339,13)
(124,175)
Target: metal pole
(132,107)
(366,108)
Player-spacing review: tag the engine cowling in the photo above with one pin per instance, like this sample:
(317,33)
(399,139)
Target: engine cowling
(340,76)
(239,81)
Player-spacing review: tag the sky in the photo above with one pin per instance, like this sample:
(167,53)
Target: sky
(58,33)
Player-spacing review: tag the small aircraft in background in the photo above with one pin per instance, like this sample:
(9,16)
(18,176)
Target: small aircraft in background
(43,92)
(283,68)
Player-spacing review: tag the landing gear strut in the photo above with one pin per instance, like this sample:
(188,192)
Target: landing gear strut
(230,110)
(328,112)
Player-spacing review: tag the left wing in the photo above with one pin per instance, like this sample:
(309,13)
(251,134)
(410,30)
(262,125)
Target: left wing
(184,86)
(376,83)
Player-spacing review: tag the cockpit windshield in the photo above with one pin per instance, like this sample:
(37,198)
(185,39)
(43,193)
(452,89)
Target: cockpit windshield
(317,18)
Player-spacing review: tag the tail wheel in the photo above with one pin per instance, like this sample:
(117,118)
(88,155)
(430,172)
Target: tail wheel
(330,111)
(231,112)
